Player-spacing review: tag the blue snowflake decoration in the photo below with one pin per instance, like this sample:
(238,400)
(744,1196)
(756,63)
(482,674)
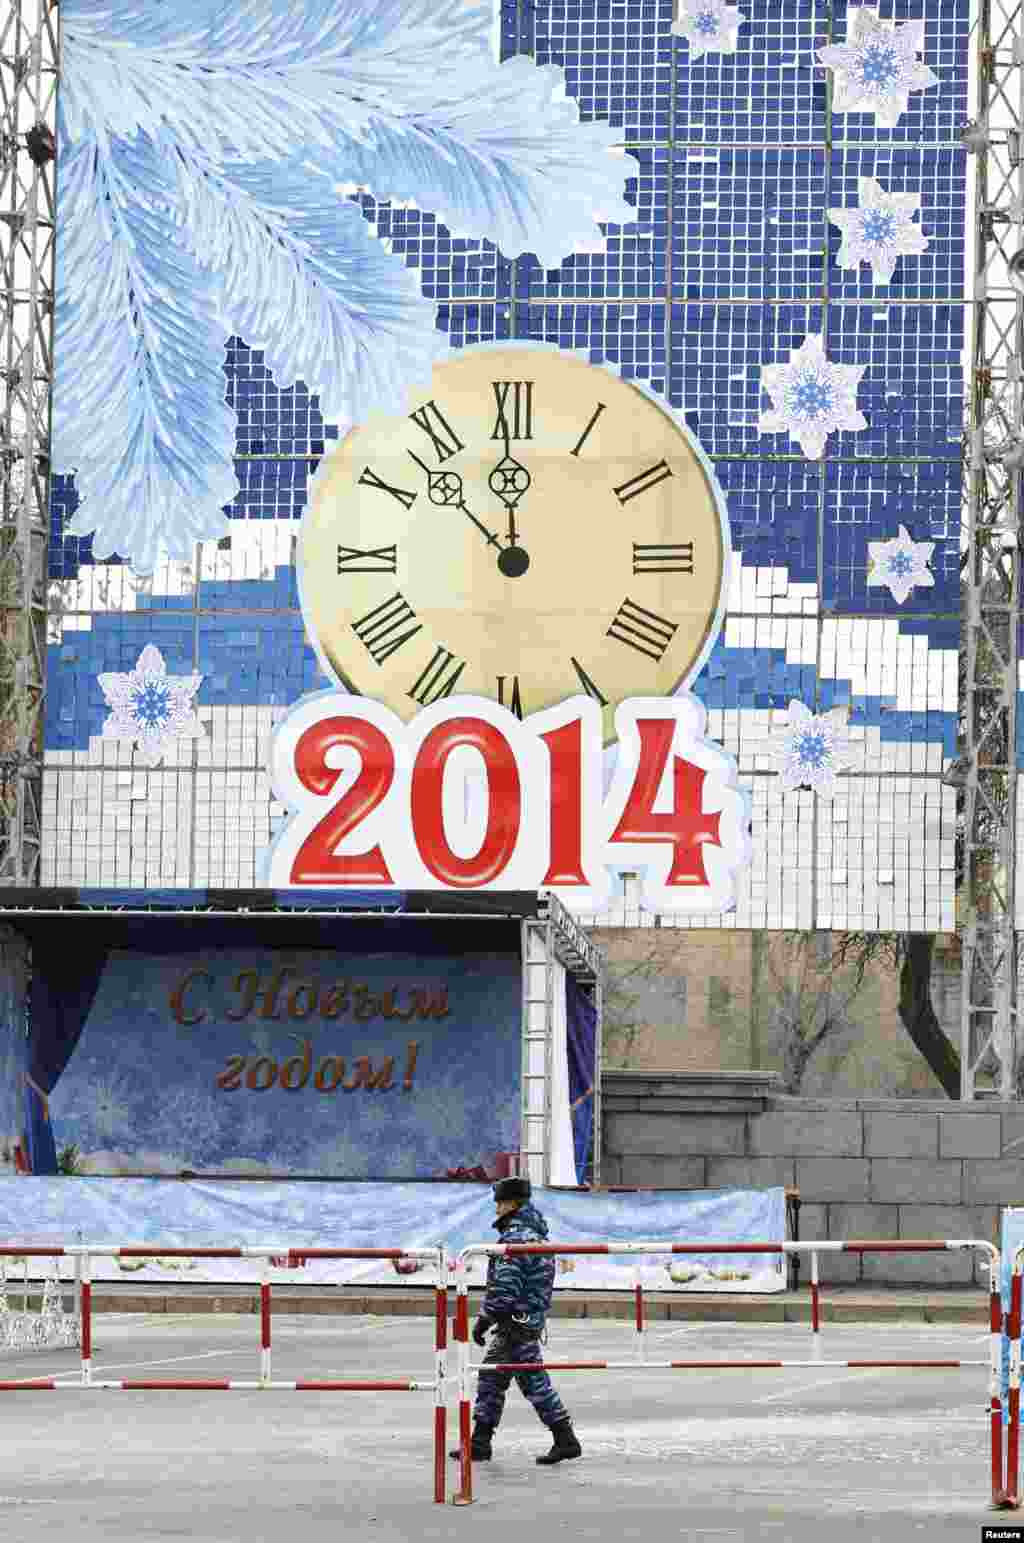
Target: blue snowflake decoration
(709,26)
(208,155)
(150,707)
(808,751)
(811,397)
(880,230)
(877,67)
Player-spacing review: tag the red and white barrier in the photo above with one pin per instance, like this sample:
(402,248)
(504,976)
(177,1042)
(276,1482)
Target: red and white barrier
(1013,1334)
(85,1252)
(466,1369)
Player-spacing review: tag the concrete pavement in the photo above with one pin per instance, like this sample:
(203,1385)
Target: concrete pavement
(876,1456)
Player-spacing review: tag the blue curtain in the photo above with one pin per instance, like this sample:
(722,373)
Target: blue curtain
(581,1041)
(64,985)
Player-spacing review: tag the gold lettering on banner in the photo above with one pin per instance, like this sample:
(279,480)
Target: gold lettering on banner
(276,998)
(366,1077)
(262,1072)
(177,998)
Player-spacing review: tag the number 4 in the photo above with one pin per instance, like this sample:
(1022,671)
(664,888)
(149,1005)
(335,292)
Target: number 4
(685,827)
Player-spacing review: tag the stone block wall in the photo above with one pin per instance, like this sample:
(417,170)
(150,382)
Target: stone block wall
(865,1168)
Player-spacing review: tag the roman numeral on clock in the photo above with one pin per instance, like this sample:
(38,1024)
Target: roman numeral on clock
(643,482)
(515,701)
(578,446)
(381,630)
(587,684)
(438,430)
(521,426)
(432,683)
(643,630)
(379,559)
(663,559)
(369,479)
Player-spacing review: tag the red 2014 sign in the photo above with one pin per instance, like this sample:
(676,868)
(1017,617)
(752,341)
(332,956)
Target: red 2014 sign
(468,797)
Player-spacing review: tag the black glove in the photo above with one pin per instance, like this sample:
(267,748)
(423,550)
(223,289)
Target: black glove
(482,1328)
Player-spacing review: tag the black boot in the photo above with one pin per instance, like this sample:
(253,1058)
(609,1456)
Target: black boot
(480,1447)
(565,1446)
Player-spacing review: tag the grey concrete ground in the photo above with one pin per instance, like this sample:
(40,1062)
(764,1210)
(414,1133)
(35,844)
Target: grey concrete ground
(802,1454)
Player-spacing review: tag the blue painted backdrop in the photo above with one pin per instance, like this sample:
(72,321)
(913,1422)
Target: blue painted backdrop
(140,1092)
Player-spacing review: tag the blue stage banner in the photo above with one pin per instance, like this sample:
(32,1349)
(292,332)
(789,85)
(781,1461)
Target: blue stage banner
(252,1060)
(196,1213)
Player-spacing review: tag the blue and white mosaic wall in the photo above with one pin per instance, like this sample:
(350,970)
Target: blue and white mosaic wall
(800,191)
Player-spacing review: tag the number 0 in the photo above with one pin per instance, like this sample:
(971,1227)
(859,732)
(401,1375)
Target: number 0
(504,803)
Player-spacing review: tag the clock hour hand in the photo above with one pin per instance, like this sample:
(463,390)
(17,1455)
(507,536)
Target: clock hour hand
(444,488)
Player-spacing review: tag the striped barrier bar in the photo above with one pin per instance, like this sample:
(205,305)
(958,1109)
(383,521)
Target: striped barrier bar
(1000,1496)
(721,1366)
(83,1253)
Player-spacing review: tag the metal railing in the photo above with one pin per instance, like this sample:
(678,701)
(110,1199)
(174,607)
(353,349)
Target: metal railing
(466,1369)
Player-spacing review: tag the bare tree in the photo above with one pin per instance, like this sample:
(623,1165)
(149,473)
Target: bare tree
(812,992)
(912,954)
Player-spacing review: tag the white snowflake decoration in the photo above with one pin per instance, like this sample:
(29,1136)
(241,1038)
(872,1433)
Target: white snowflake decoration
(900,564)
(709,26)
(880,230)
(151,707)
(811,397)
(877,67)
(808,751)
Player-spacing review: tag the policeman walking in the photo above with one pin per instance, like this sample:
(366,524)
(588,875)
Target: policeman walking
(516,1302)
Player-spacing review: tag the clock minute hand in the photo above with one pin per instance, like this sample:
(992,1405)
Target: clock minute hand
(444,488)
(509,480)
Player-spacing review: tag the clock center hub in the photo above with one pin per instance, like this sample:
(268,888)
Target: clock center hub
(513,562)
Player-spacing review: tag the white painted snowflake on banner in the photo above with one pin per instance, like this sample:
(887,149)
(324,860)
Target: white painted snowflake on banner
(150,706)
(809,750)
(880,230)
(811,397)
(709,26)
(900,564)
(877,67)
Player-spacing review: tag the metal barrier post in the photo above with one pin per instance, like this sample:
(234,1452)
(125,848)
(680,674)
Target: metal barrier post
(86,1320)
(265,1324)
(1013,1331)
(638,1294)
(464,1495)
(440,1375)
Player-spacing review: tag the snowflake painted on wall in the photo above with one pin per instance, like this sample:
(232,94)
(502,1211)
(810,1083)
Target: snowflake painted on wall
(709,26)
(811,397)
(880,230)
(877,67)
(151,707)
(809,750)
(900,564)
(208,154)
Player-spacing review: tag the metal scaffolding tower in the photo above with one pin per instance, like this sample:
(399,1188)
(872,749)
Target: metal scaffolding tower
(987,769)
(29,54)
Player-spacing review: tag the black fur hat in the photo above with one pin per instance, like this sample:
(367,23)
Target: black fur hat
(512,1189)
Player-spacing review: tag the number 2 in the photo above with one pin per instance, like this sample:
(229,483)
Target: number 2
(317,860)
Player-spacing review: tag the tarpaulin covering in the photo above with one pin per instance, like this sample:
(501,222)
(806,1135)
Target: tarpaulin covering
(383,1215)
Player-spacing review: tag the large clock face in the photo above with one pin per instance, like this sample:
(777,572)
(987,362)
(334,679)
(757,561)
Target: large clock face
(534,528)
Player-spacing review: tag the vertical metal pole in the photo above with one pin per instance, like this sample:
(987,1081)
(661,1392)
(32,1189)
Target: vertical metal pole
(1013,1393)
(995,1388)
(464,1496)
(265,1324)
(987,770)
(29,67)
(440,1374)
(86,1320)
